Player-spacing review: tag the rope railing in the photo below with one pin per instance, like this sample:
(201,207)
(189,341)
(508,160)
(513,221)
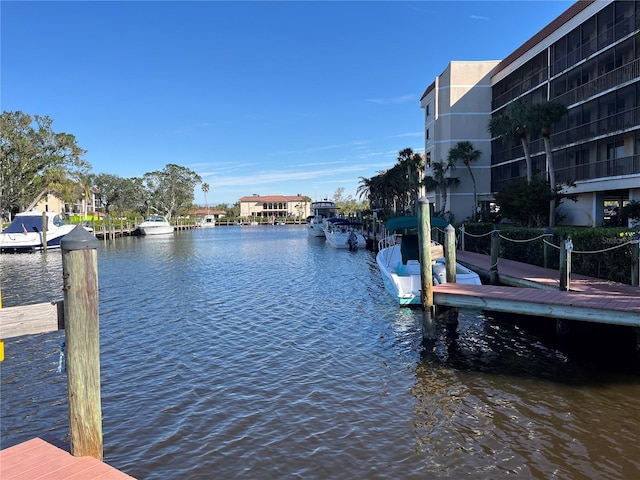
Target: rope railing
(527,239)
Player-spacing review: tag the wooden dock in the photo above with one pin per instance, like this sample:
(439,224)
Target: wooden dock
(37,459)
(535,291)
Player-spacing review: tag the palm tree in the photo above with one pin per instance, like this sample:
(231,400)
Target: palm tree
(511,125)
(413,163)
(205,190)
(441,181)
(542,116)
(467,153)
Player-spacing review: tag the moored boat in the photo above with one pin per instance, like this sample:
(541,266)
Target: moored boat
(342,233)
(29,230)
(320,212)
(155,225)
(399,261)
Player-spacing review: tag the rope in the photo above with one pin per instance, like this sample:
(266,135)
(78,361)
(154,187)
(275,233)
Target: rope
(551,244)
(478,236)
(527,240)
(605,249)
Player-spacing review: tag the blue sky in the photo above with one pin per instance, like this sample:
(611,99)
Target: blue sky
(256,97)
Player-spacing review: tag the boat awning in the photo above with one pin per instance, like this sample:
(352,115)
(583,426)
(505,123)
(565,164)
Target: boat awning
(399,223)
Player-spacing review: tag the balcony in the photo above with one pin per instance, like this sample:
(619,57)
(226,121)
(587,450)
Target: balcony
(600,169)
(610,125)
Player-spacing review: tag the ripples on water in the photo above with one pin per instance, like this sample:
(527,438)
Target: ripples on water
(259,353)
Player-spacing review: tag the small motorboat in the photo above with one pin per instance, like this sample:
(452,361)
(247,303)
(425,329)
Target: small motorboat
(29,230)
(399,262)
(155,225)
(343,233)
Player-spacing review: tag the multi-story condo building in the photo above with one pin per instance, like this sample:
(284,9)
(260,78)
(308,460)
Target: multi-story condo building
(457,108)
(589,60)
(278,206)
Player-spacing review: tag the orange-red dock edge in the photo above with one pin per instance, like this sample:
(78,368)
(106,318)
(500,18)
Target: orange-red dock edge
(37,459)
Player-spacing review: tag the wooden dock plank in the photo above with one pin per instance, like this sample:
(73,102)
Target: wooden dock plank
(37,459)
(590,306)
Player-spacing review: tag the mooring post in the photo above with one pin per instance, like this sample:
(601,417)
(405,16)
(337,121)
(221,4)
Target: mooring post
(82,337)
(635,260)
(450,252)
(44,230)
(495,255)
(548,233)
(424,240)
(566,245)
(375,235)
(462,237)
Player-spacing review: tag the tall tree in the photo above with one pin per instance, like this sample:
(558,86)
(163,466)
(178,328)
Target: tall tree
(171,188)
(466,152)
(512,125)
(542,117)
(205,190)
(32,159)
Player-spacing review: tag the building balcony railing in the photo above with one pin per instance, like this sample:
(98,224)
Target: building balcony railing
(599,169)
(610,125)
(626,73)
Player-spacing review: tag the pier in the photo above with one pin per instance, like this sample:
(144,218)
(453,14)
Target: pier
(531,290)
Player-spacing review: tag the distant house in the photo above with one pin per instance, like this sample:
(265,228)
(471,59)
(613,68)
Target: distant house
(207,215)
(278,206)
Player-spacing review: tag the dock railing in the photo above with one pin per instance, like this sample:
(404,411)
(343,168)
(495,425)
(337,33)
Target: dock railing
(565,248)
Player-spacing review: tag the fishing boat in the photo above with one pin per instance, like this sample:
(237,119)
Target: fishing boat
(155,225)
(30,230)
(342,233)
(399,262)
(320,212)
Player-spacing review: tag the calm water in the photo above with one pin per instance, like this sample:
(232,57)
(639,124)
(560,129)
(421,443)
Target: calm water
(257,352)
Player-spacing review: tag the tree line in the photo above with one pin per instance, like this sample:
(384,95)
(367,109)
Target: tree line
(36,161)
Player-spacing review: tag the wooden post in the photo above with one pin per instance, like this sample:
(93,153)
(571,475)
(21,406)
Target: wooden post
(462,237)
(495,255)
(566,245)
(80,279)
(424,241)
(450,252)
(635,261)
(375,236)
(548,234)
(44,231)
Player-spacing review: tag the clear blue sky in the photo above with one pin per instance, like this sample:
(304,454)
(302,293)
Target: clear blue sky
(256,97)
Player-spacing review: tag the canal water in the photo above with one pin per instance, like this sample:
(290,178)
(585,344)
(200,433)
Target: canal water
(256,352)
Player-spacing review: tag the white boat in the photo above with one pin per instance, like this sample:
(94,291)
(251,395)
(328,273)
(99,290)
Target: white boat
(155,225)
(320,212)
(25,233)
(208,221)
(342,233)
(399,263)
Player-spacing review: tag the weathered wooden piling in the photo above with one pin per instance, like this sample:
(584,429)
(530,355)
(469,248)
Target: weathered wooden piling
(495,255)
(424,240)
(82,336)
(566,245)
(635,261)
(450,252)
(43,232)
(548,234)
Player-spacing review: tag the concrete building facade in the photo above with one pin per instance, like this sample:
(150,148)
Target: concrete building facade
(457,108)
(275,206)
(589,60)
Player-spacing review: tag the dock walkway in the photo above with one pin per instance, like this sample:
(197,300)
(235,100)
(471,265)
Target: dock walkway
(589,299)
(37,459)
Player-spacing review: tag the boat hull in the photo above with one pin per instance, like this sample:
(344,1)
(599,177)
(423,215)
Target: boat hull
(346,240)
(403,281)
(155,225)
(24,234)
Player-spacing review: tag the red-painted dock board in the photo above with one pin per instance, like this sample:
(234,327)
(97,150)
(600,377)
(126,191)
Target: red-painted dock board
(37,459)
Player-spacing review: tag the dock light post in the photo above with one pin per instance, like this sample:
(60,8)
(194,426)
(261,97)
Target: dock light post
(82,338)
(495,255)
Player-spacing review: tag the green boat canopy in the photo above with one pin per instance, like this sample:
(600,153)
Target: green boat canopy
(399,223)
